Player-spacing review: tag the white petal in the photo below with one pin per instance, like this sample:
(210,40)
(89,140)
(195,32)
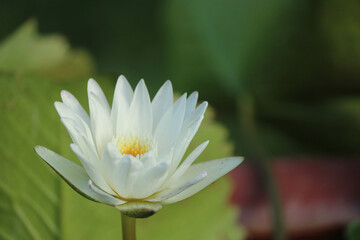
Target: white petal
(75,125)
(72,173)
(187,162)
(106,198)
(126,174)
(196,114)
(121,171)
(74,105)
(162,101)
(93,87)
(93,170)
(110,155)
(82,138)
(175,190)
(123,179)
(117,170)
(65,111)
(149,159)
(121,103)
(141,119)
(166,156)
(191,103)
(100,122)
(215,169)
(170,124)
(150,181)
(188,131)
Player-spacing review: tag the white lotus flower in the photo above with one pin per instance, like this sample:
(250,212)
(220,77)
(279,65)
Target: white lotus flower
(131,153)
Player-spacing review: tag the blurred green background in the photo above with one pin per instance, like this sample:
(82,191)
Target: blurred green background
(298,60)
(282,78)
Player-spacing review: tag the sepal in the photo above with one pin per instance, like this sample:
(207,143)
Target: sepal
(139,209)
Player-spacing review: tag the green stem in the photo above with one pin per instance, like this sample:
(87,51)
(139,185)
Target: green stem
(247,119)
(128,227)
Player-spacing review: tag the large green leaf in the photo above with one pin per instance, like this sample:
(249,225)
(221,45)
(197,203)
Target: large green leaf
(35,203)
(27,51)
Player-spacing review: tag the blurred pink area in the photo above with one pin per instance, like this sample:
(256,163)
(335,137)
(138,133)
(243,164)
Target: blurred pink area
(319,197)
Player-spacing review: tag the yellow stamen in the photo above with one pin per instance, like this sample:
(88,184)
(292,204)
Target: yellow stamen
(133,145)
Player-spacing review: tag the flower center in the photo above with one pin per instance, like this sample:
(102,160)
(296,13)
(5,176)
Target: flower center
(133,145)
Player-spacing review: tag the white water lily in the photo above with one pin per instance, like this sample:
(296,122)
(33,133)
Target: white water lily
(132,152)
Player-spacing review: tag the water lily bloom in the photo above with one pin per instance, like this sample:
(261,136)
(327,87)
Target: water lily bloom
(132,153)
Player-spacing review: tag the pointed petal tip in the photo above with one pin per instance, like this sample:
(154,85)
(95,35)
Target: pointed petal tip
(214,169)
(183,97)
(203,106)
(171,192)
(66,96)
(194,94)
(122,78)
(92,85)
(239,159)
(57,104)
(63,93)
(91,81)
(141,86)
(38,148)
(168,83)
(204,144)
(235,161)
